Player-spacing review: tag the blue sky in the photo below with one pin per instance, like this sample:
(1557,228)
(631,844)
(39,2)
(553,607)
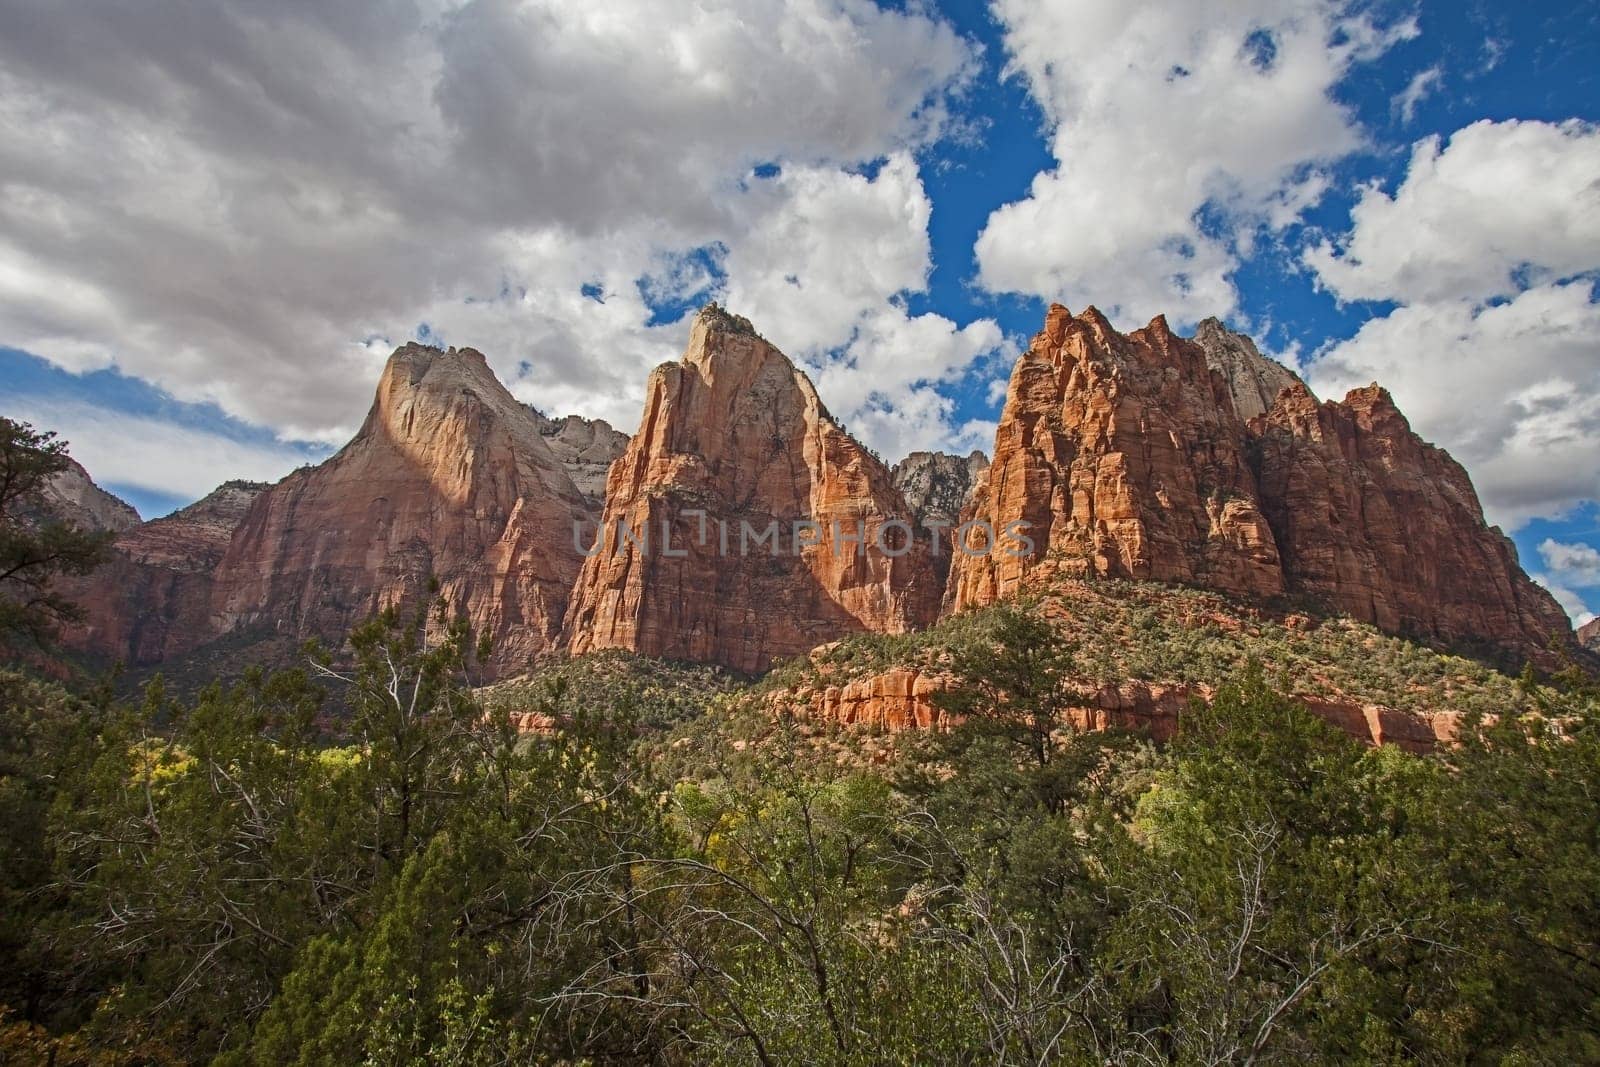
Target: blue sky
(217,227)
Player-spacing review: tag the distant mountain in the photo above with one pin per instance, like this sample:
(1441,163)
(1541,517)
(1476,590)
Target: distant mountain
(70,495)
(1143,456)
(586,448)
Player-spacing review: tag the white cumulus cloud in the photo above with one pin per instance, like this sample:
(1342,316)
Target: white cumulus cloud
(1488,246)
(1577,564)
(247,204)
(1179,131)
(1503,205)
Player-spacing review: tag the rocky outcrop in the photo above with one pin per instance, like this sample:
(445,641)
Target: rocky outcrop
(703,552)
(937,485)
(71,496)
(1253,381)
(1123,457)
(1589,635)
(1375,523)
(449,481)
(152,599)
(586,448)
(903,698)
(1126,456)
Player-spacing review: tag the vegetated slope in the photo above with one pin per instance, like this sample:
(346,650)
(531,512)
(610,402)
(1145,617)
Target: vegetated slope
(1142,650)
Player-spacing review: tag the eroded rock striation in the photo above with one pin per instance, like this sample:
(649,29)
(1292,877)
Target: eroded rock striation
(1125,458)
(1130,456)
(1376,523)
(734,444)
(449,480)
(1253,381)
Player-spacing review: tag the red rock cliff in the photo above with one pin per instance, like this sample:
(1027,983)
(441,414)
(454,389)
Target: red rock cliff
(1125,458)
(736,432)
(449,479)
(152,599)
(1376,523)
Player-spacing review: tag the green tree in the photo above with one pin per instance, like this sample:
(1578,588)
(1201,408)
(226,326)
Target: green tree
(1013,685)
(1269,896)
(34,553)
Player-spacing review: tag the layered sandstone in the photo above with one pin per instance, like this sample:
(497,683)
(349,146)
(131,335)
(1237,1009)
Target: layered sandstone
(904,698)
(1376,523)
(734,442)
(1124,457)
(1128,456)
(449,482)
(1589,635)
(152,599)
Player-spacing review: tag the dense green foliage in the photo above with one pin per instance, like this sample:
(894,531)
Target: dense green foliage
(245,878)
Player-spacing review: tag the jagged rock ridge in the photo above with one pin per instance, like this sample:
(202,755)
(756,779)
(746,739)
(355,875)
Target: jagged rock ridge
(734,437)
(1125,458)
(1253,381)
(937,485)
(1128,456)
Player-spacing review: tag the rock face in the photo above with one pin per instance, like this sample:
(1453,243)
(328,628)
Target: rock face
(1589,635)
(586,448)
(1375,523)
(1125,458)
(153,599)
(937,485)
(1253,381)
(734,444)
(902,698)
(1128,457)
(449,479)
(71,496)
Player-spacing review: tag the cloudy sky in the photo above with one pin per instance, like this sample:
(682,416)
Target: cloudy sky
(217,219)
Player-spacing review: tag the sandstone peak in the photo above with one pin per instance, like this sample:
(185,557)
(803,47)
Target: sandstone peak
(449,480)
(1117,453)
(1130,456)
(1253,380)
(734,437)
